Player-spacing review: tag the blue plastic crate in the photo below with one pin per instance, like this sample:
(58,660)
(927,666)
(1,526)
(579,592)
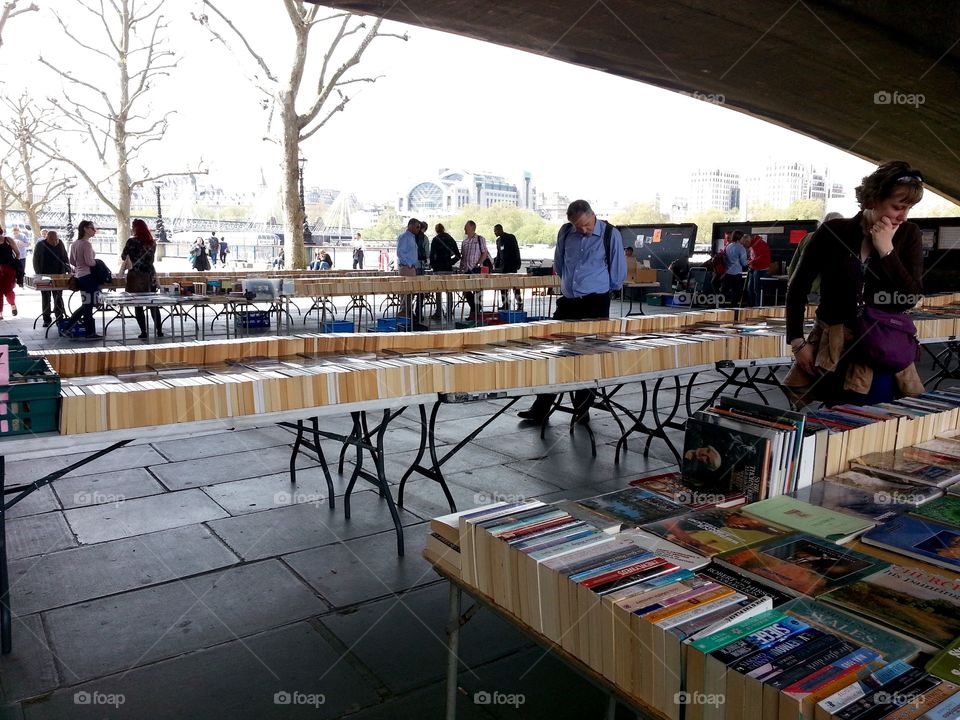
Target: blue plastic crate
(513,316)
(392,324)
(338,326)
(77,331)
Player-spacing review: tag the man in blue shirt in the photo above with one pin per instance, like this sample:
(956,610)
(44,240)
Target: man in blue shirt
(736,259)
(407,260)
(589,272)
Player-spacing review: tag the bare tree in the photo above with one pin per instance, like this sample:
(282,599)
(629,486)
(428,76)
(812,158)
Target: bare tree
(112,116)
(10,11)
(28,177)
(330,96)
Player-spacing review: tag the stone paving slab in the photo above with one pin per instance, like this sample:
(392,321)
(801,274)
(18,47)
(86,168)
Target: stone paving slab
(91,571)
(225,468)
(359,570)
(298,527)
(120,459)
(108,487)
(38,534)
(221,443)
(29,670)
(414,623)
(272,491)
(117,633)
(39,501)
(239,680)
(100,523)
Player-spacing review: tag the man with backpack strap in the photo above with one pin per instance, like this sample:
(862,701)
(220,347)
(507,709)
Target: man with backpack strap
(590,262)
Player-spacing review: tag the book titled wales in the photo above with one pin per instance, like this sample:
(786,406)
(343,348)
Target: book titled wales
(634,506)
(719,459)
(919,538)
(801,564)
(918,604)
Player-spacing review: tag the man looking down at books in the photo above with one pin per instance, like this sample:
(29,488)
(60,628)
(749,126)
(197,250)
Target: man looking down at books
(871,262)
(590,262)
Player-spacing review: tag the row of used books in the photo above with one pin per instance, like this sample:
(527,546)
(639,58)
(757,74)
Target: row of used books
(684,594)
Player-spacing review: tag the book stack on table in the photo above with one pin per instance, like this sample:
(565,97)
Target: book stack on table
(735,588)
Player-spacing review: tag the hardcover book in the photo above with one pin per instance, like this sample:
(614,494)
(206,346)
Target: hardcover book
(718,459)
(714,531)
(802,564)
(919,538)
(918,604)
(799,515)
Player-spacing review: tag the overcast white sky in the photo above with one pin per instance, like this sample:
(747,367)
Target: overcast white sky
(445,101)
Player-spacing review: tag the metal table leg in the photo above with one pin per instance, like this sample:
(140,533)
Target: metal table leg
(453,649)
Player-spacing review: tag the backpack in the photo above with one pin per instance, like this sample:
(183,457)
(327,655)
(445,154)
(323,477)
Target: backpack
(101,273)
(607,235)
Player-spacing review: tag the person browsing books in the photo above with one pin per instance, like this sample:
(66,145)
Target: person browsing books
(83,258)
(139,250)
(872,261)
(590,262)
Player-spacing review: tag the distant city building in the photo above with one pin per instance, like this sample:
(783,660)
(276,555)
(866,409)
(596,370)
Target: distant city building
(553,206)
(782,183)
(453,189)
(712,188)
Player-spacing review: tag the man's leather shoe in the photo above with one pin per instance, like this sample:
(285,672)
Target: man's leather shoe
(530,415)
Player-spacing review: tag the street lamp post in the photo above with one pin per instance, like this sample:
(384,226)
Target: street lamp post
(69,218)
(161,230)
(300,163)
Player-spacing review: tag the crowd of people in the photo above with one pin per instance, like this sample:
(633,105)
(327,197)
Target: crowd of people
(416,254)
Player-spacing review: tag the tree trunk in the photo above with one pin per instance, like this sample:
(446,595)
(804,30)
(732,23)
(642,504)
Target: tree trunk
(294,252)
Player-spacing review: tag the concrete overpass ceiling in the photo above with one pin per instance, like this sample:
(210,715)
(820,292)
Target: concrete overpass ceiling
(878,79)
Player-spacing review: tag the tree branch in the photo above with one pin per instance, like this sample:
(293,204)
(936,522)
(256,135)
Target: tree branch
(203,20)
(154,178)
(10,11)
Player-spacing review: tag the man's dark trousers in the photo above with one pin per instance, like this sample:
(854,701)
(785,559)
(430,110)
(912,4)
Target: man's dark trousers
(588,307)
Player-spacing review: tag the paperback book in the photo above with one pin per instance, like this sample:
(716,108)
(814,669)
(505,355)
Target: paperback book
(709,532)
(919,538)
(634,506)
(811,519)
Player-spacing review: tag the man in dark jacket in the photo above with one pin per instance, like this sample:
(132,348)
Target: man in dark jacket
(50,258)
(507,261)
(444,254)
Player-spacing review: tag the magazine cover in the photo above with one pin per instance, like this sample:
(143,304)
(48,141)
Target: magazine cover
(721,460)
(920,538)
(803,564)
(917,603)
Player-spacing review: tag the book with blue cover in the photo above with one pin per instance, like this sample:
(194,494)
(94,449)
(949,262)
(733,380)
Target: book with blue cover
(634,506)
(919,538)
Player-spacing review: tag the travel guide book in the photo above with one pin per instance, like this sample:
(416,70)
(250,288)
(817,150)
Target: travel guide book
(918,604)
(919,538)
(802,564)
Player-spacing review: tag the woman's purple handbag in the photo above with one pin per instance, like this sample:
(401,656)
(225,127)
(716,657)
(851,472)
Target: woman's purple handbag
(887,341)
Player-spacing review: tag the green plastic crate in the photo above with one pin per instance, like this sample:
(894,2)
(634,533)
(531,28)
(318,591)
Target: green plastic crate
(29,416)
(32,379)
